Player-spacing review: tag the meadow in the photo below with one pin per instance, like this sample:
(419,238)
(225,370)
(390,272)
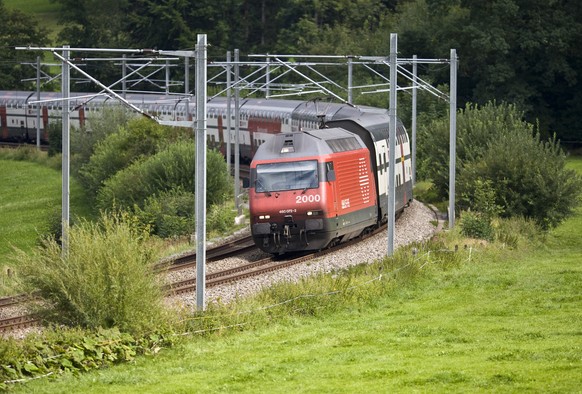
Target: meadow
(501,320)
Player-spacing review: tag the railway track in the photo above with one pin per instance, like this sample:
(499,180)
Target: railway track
(15,145)
(257,268)
(237,246)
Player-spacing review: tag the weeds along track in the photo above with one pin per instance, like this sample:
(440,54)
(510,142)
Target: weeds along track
(21,319)
(13,309)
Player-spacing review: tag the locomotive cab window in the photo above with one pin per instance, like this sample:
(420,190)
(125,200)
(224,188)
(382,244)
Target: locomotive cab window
(273,177)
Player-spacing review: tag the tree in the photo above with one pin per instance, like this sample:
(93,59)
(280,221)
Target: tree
(519,51)
(95,24)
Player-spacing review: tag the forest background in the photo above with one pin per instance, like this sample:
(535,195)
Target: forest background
(524,52)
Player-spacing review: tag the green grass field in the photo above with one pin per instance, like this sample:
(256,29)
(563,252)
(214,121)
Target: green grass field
(502,321)
(27,193)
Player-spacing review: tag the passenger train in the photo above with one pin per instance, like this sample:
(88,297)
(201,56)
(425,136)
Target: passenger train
(319,170)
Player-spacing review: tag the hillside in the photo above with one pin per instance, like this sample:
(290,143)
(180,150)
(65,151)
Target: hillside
(46,11)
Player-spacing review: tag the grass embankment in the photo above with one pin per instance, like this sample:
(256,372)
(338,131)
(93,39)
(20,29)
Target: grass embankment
(501,320)
(30,195)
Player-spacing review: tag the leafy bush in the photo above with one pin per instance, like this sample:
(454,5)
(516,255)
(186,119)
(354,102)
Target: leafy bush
(140,138)
(105,278)
(476,225)
(220,219)
(55,138)
(528,175)
(73,351)
(109,120)
(169,169)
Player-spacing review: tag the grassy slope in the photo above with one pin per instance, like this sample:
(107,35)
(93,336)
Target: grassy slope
(26,191)
(504,321)
(29,193)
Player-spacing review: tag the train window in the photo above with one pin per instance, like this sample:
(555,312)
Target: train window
(329,171)
(295,175)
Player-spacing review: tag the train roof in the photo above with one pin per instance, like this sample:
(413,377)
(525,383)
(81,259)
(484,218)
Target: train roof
(308,143)
(377,125)
(8,97)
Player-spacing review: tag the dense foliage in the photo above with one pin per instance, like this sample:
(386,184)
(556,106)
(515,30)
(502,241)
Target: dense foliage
(519,51)
(170,168)
(72,351)
(141,137)
(501,162)
(148,169)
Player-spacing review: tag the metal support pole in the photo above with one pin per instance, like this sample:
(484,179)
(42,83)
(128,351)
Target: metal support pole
(228,112)
(414,97)
(66,150)
(38,104)
(200,189)
(392,143)
(167,77)
(350,75)
(123,77)
(268,78)
(187,86)
(453,138)
(237,134)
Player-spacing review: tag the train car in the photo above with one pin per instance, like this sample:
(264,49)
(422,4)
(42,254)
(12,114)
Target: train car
(374,131)
(311,189)
(259,118)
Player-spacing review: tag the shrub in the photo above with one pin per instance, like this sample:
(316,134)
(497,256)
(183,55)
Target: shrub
(55,138)
(169,169)
(105,278)
(527,175)
(220,219)
(140,138)
(72,350)
(99,126)
(476,225)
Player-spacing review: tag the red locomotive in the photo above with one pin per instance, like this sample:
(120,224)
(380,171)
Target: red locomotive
(313,189)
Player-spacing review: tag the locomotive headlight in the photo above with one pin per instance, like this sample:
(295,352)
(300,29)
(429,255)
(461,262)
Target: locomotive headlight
(313,213)
(262,217)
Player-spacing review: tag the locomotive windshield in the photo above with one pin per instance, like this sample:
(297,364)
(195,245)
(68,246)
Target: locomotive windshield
(274,177)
